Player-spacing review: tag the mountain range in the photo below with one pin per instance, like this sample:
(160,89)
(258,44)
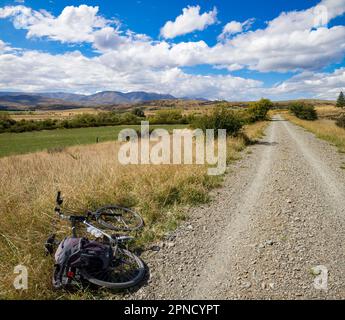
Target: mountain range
(62,100)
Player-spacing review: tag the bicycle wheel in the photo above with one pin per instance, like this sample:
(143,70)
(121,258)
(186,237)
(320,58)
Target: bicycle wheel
(126,271)
(118,218)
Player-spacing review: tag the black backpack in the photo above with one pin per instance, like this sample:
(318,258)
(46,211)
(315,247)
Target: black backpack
(76,254)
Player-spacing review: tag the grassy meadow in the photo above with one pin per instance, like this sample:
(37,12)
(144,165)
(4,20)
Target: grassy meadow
(26,142)
(90,176)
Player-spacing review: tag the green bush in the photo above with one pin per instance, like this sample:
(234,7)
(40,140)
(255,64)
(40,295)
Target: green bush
(168,117)
(6,122)
(139,112)
(80,121)
(303,111)
(258,110)
(219,119)
(341,121)
(129,118)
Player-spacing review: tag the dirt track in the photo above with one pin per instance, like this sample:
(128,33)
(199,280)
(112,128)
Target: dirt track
(280,213)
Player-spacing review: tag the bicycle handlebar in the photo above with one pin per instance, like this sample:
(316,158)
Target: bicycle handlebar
(83,219)
(59,200)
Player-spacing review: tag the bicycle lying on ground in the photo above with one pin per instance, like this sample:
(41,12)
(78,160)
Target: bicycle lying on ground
(104,262)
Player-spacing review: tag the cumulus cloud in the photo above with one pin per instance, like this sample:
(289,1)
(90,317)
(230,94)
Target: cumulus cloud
(330,9)
(74,24)
(293,41)
(4,47)
(107,39)
(234,27)
(190,20)
(77,73)
(322,85)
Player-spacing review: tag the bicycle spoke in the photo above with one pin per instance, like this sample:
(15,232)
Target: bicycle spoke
(118,218)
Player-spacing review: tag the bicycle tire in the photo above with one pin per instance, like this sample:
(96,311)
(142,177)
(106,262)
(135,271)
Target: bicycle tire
(106,212)
(119,285)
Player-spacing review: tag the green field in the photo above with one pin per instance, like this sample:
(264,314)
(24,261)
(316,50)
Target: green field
(26,142)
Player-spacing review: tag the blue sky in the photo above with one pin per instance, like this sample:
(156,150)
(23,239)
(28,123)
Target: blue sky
(234,50)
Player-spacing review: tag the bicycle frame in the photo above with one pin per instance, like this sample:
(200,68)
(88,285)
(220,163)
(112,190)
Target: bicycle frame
(114,241)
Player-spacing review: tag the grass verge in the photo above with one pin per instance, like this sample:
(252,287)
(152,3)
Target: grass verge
(26,142)
(323,129)
(90,176)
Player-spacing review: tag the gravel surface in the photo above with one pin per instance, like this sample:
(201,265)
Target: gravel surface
(280,214)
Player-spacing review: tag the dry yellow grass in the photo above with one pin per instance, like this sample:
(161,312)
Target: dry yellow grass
(329,112)
(89,176)
(54,115)
(324,129)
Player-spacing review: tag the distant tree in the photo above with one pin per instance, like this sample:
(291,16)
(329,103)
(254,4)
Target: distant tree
(170,116)
(220,118)
(258,110)
(139,112)
(303,110)
(341,100)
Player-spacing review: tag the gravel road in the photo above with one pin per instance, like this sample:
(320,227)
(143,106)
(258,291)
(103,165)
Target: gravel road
(280,214)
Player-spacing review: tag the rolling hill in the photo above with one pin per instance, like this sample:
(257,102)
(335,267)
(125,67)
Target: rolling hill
(62,100)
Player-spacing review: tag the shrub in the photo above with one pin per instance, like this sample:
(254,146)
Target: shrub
(303,111)
(168,117)
(80,121)
(139,112)
(341,121)
(129,118)
(258,110)
(219,119)
(6,122)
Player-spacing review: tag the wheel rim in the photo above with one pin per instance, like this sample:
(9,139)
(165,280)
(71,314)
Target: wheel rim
(124,271)
(118,218)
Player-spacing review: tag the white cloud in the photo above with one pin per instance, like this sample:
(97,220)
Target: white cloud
(74,24)
(190,20)
(320,85)
(334,8)
(74,72)
(4,47)
(293,41)
(234,27)
(107,39)
(77,73)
